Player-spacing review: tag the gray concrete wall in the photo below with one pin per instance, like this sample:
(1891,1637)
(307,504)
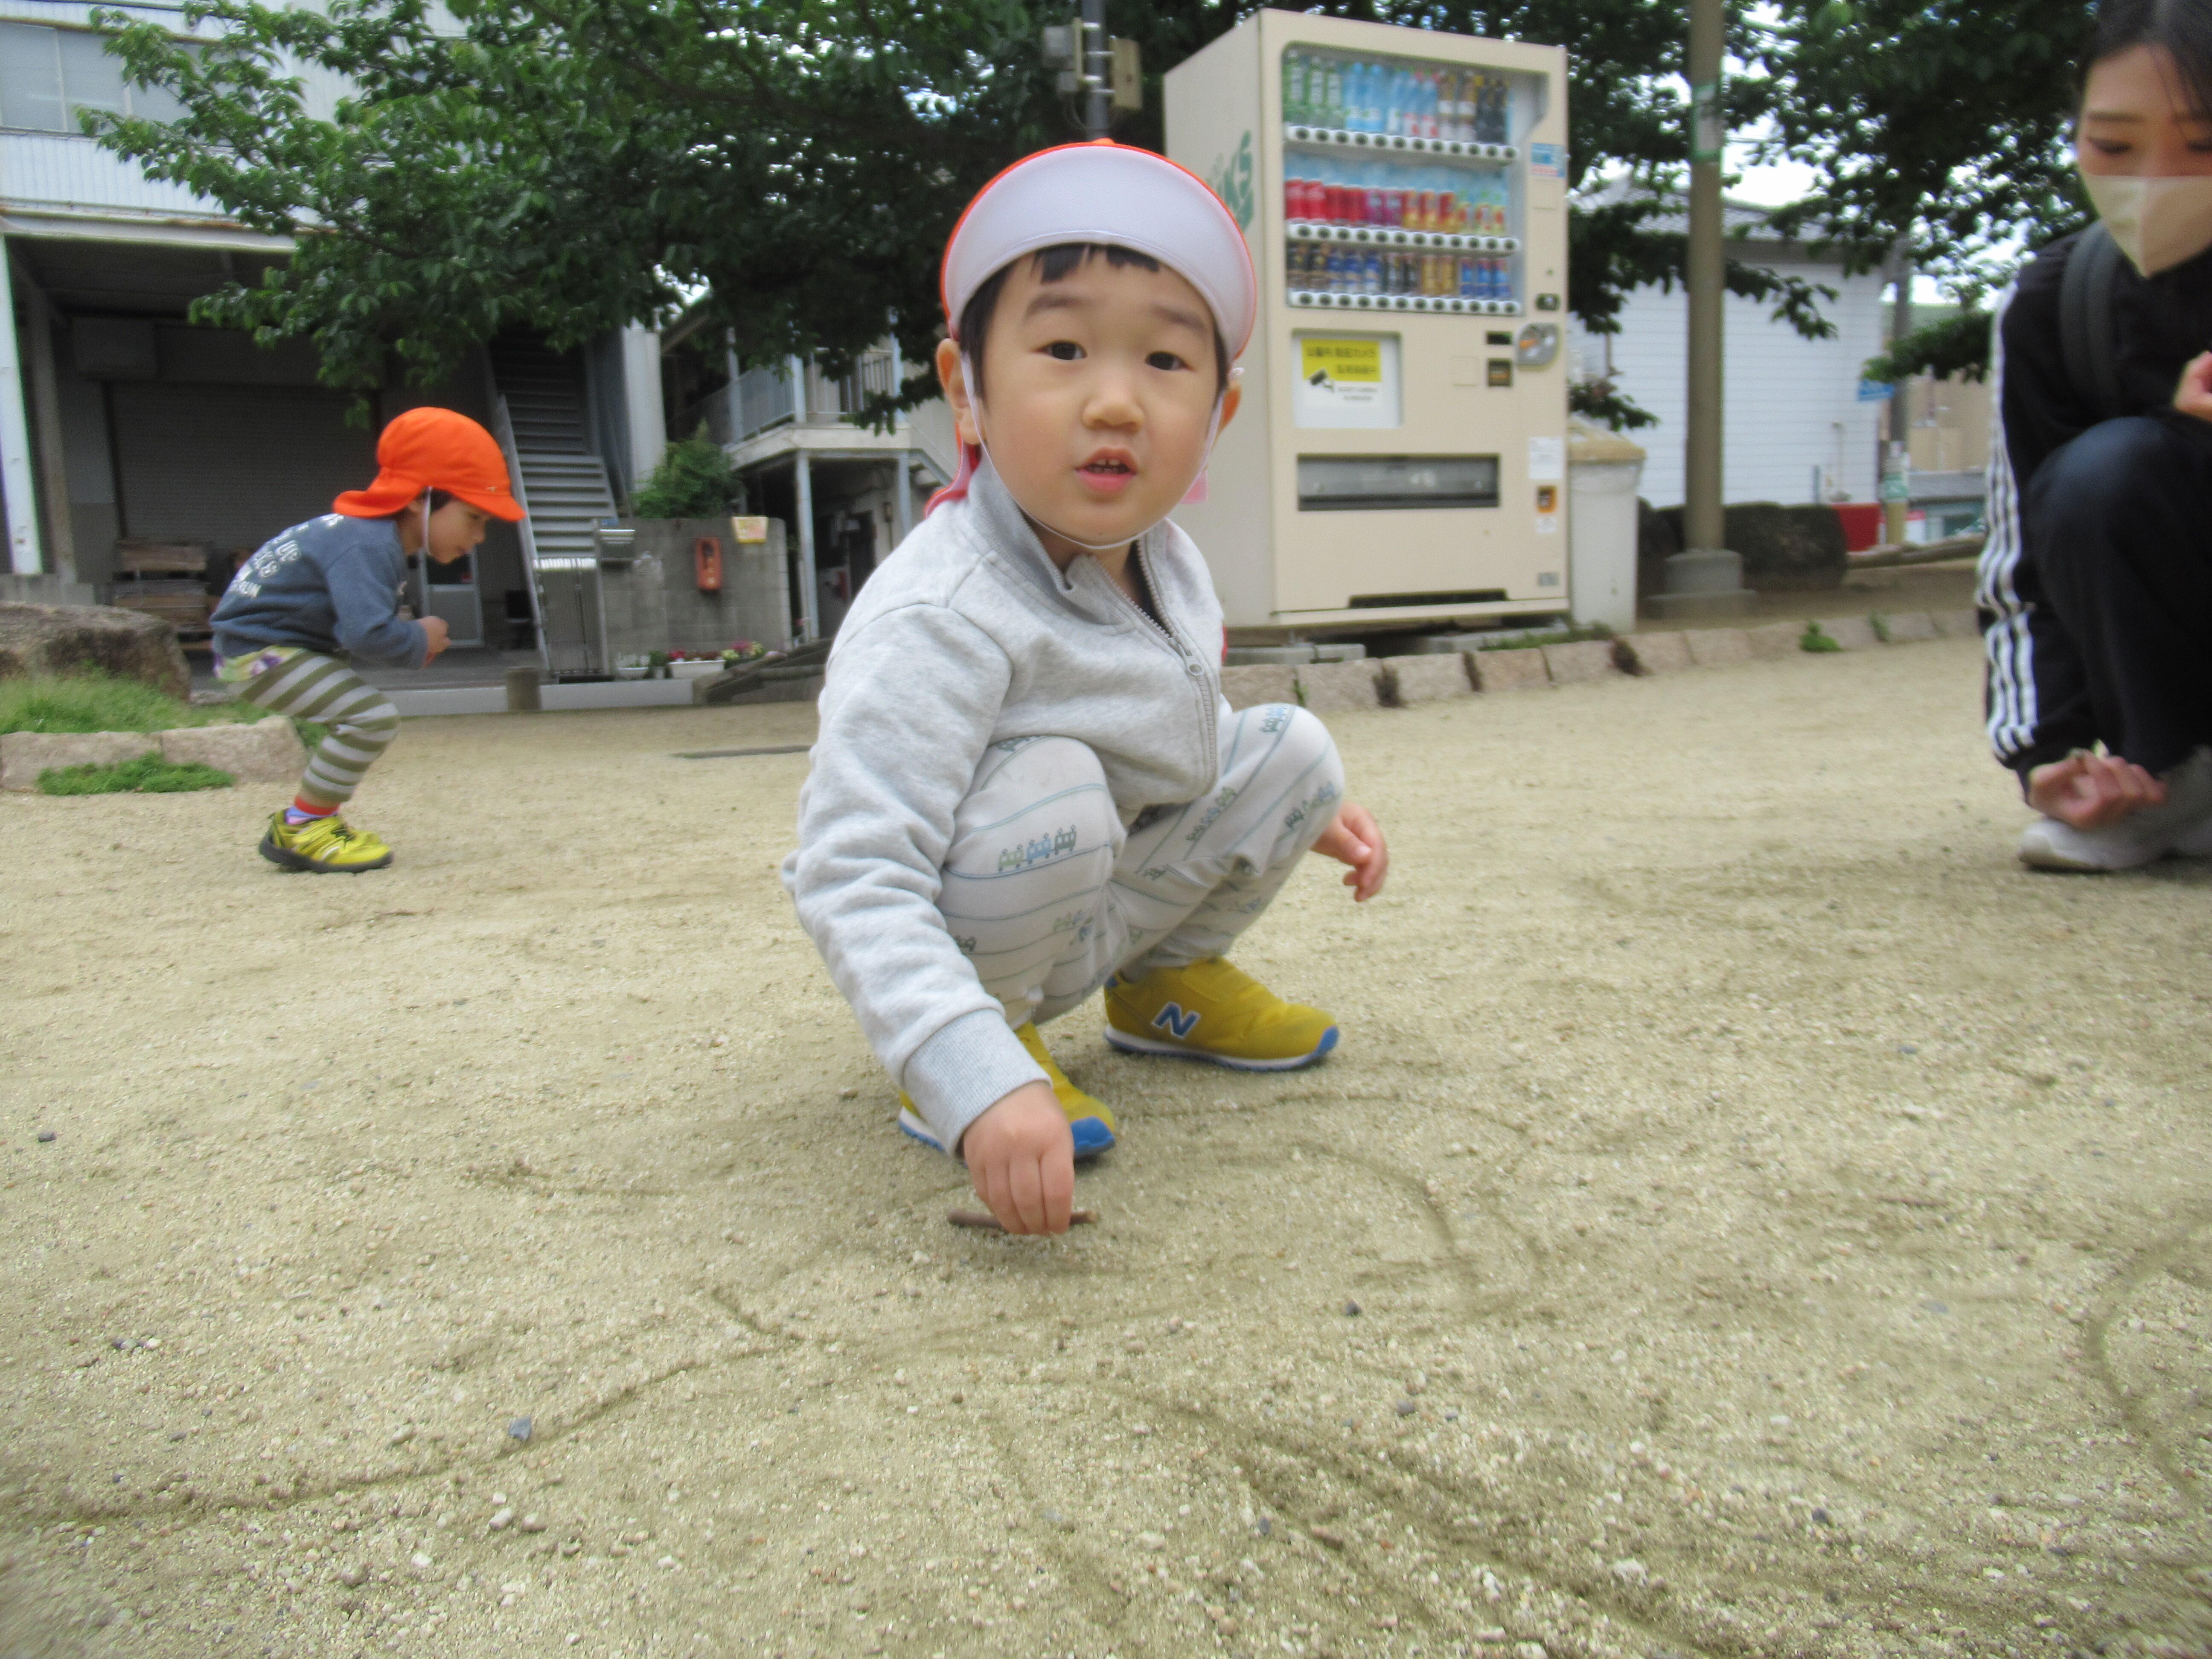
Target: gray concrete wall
(654,603)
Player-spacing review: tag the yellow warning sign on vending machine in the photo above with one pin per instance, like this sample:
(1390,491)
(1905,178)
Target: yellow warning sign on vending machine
(1343,359)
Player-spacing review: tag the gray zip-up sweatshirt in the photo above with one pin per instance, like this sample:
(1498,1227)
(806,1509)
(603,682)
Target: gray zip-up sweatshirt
(968,636)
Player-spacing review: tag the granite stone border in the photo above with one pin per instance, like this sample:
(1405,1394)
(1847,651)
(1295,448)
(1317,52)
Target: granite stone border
(1851,632)
(1407,682)
(1508,671)
(260,752)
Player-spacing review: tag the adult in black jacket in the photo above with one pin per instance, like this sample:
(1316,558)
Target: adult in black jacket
(2096,582)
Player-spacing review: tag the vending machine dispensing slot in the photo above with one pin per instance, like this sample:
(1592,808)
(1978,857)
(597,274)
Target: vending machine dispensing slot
(1403,193)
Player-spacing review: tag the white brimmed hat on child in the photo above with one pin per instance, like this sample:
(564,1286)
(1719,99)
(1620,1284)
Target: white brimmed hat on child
(1108,193)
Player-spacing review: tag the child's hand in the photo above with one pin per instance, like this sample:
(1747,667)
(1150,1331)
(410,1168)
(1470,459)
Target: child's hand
(1357,840)
(1022,1158)
(435,634)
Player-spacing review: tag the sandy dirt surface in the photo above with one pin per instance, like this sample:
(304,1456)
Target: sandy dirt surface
(1748,1215)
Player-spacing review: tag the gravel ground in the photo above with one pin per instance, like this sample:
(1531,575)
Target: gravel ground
(1748,1215)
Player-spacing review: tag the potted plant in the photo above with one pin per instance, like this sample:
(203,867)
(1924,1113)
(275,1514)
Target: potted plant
(632,666)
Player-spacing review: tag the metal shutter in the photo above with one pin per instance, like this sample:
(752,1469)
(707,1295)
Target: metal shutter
(233,464)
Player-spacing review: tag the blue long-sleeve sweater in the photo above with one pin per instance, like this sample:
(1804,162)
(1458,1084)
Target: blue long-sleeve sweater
(331,584)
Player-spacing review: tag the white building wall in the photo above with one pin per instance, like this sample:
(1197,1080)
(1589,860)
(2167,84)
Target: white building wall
(56,171)
(1795,430)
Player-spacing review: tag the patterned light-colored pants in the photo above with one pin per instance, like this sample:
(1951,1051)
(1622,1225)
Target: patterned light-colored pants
(362,721)
(1048,895)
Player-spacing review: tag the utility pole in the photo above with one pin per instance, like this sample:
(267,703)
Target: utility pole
(1704,579)
(1097,70)
(1896,483)
(1104,73)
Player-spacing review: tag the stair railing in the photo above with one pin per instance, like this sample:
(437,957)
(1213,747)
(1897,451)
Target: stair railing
(502,428)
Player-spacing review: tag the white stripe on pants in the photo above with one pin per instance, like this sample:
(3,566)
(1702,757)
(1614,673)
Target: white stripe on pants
(1048,895)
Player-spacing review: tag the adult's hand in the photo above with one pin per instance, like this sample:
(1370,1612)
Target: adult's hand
(2091,792)
(2194,395)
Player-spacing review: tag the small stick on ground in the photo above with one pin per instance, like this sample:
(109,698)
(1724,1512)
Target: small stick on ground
(990,1223)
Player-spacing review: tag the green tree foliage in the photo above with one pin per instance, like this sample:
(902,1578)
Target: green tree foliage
(1941,125)
(1957,345)
(695,480)
(571,165)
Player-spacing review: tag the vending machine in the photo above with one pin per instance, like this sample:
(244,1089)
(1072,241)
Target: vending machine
(1400,456)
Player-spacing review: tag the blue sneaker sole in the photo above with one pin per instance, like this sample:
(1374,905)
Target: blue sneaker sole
(1092,1135)
(1130,1043)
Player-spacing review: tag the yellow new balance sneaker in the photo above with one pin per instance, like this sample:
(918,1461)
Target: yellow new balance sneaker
(326,846)
(1090,1122)
(1215,1011)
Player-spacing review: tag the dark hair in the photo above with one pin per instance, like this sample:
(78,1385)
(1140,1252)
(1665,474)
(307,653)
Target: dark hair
(2182,27)
(1051,264)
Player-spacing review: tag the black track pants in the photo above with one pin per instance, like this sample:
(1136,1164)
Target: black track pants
(2119,521)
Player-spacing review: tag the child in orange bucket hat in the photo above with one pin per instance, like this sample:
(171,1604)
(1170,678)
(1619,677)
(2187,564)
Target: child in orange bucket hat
(323,594)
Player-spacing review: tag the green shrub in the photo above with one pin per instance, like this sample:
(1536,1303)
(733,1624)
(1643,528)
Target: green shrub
(1786,550)
(695,480)
(150,775)
(100,702)
(1813,640)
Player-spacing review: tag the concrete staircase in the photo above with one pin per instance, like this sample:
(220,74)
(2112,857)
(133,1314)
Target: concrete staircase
(565,483)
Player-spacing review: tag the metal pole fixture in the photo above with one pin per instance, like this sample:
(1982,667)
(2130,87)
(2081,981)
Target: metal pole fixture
(1704,579)
(1097,68)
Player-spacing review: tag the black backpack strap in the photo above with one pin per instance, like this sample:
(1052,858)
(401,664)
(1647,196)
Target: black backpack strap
(2089,335)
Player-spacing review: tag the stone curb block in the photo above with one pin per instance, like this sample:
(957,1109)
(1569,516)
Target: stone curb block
(24,754)
(1255,684)
(1912,625)
(1710,647)
(1774,640)
(267,752)
(1508,671)
(1332,688)
(1658,653)
(1431,679)
(1956,625)
(1851,633)
(1587,659)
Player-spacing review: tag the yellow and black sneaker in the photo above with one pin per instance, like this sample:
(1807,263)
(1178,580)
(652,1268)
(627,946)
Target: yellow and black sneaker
(326,846)
(1213,1011)
(1088,1120)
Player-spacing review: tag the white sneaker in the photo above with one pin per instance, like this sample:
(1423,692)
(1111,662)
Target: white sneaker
(2183,825)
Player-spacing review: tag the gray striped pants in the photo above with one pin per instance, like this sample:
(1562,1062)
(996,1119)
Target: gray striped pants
(1048,895)
(362,721)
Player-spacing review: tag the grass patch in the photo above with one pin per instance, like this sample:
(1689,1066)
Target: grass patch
(1813,640)
(149,775)
(101,703)
(1552,637)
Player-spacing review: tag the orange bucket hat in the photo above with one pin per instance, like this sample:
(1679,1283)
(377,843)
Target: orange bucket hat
(433,449)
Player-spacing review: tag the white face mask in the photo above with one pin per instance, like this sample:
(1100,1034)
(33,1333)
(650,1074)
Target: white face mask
(2158,223)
